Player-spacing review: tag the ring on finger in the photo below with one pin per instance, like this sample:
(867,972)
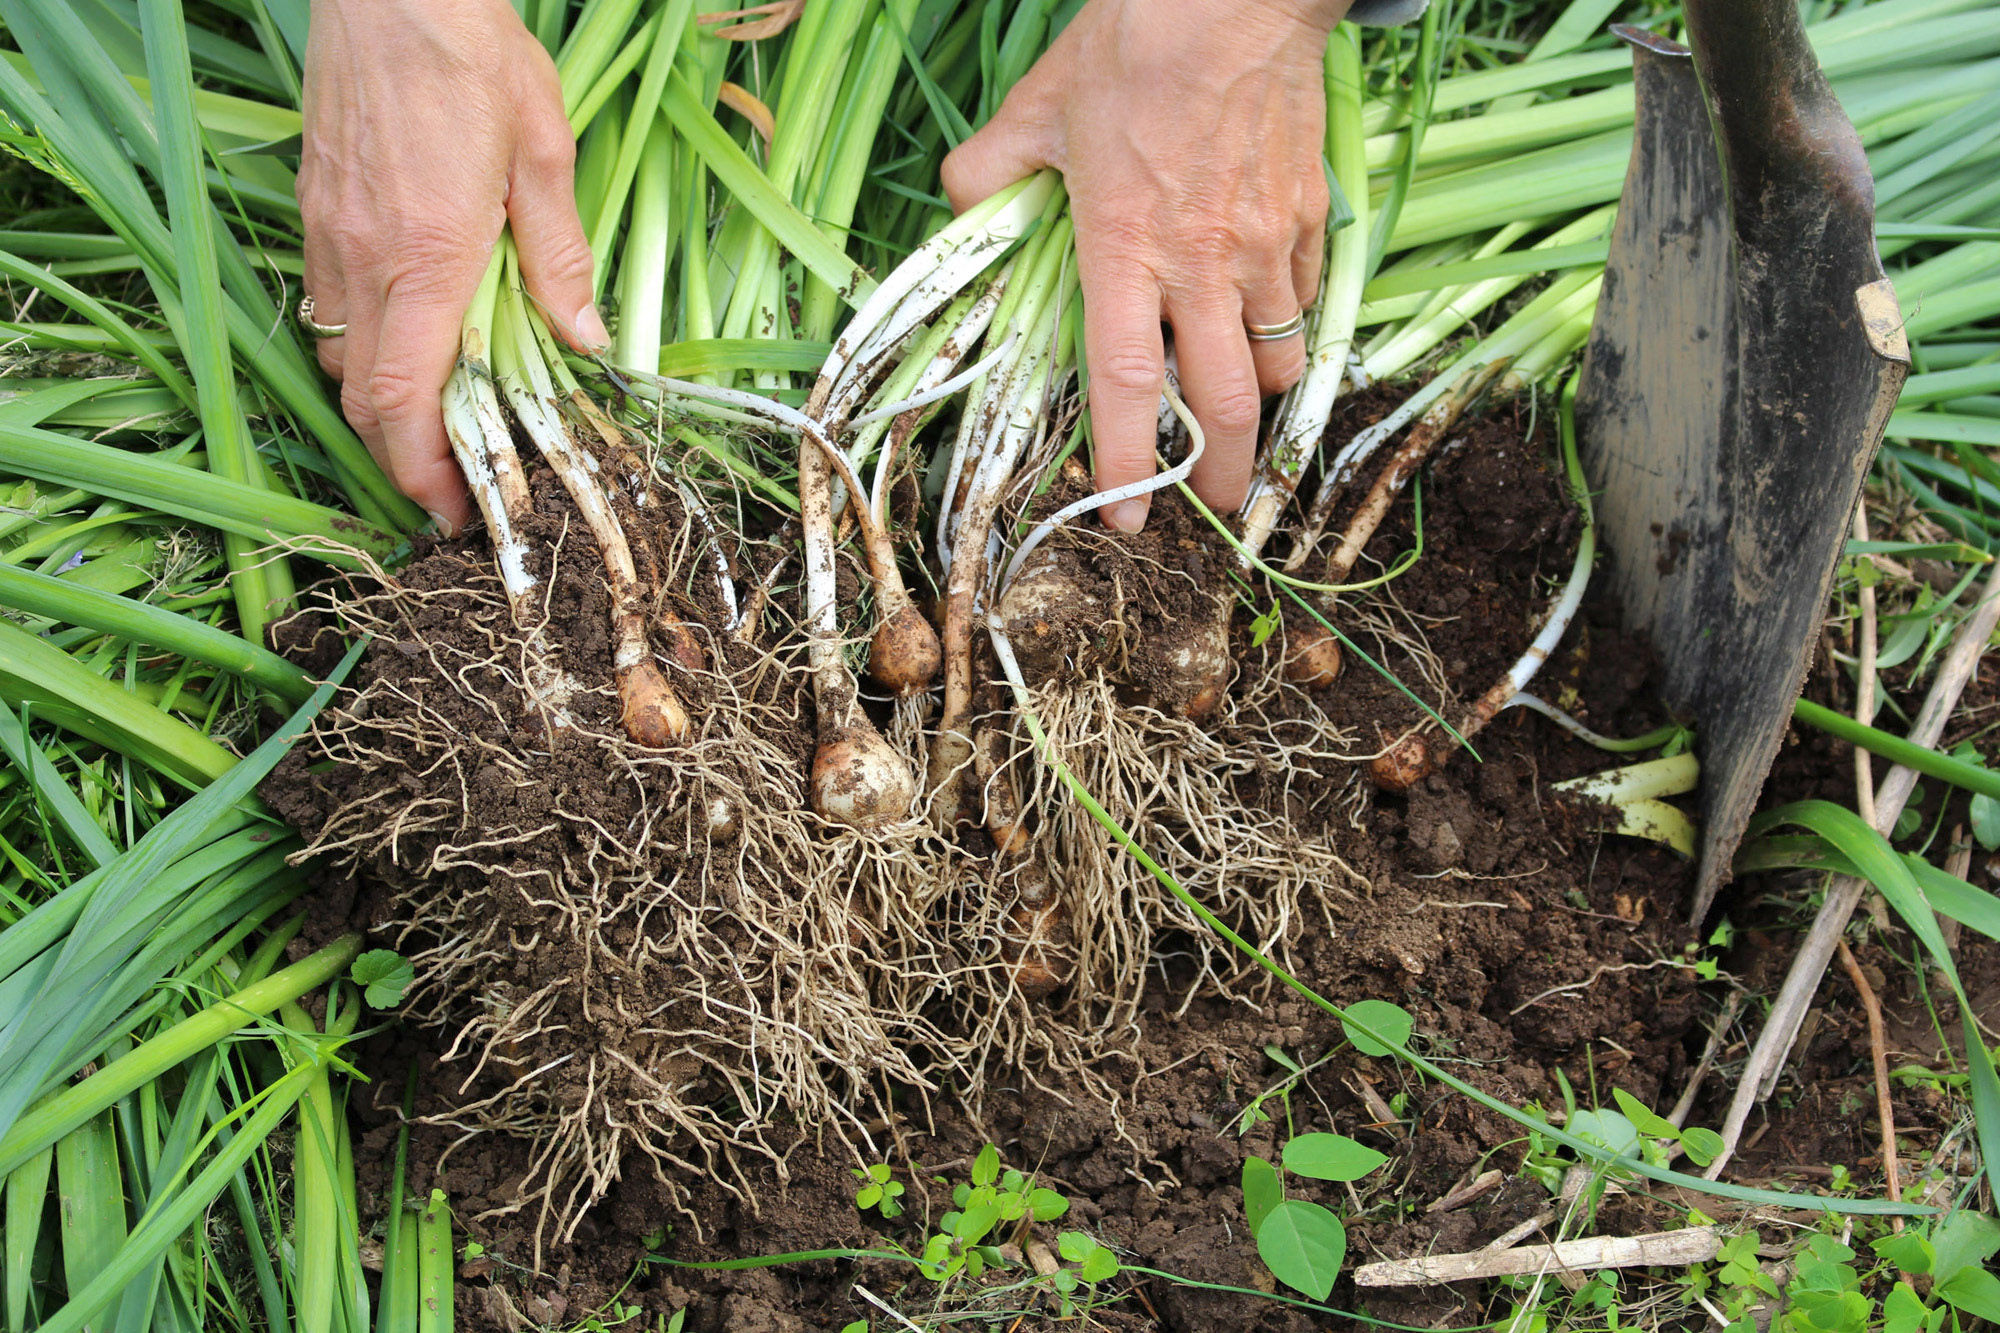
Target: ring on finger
(1272,333)
(313,326)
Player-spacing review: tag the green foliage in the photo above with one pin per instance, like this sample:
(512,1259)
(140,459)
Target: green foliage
(1832,1289)
(878,1190)
(1301,1242)
(384,976)
(1389,1021)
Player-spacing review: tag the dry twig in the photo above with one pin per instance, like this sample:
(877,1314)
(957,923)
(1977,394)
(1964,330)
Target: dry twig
(1691,1245)
(1878,1049)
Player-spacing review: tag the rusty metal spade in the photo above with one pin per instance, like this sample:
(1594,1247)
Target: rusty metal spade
(1745,355)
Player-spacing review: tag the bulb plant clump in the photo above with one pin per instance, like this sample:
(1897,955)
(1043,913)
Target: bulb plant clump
(720,787)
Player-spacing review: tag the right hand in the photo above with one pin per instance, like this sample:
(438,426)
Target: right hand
(430,125)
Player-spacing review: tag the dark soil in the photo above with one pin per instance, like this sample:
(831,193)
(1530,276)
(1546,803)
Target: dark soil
(1528,947)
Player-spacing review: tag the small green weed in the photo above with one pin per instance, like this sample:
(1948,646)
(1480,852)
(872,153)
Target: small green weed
(879,1190)
(1302,1242)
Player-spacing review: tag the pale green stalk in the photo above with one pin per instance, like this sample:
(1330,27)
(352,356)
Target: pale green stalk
(647,254)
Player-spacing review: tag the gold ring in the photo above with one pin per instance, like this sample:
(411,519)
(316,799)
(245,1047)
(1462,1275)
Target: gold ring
(313,326)
(1272,333)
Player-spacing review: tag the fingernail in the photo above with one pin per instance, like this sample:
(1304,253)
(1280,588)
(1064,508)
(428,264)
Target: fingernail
(590,329)
(438,521)
(1129,516)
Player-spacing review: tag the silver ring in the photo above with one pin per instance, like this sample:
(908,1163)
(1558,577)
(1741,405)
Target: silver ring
(1274,333)
(313,326)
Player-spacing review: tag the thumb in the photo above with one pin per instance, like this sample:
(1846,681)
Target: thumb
(1005,150)
(556,263)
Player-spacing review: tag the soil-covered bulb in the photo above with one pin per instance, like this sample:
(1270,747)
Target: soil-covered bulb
(859,780)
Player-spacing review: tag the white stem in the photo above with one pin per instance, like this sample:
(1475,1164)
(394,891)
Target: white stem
(1172,476)
(480,442)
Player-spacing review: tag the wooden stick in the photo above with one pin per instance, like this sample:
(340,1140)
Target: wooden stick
(1879,1050)
(1461,1195)
(1788,1010)
(1864,690)
(1692,1245)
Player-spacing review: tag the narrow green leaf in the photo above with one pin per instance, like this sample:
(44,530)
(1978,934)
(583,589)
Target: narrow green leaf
(742,177)
(91,1194)
(76,604)
(174,1210)
(27,1200)
(61,690)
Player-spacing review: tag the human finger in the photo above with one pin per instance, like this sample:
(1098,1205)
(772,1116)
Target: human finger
(556,264)
(1308,264)
(324,281)
(1221,380)
(1127,358)
(1007,148)
(415,346)
(1273,304)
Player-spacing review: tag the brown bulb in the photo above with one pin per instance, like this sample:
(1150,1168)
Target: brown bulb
(1404,764)
(1313,658)
(904,656)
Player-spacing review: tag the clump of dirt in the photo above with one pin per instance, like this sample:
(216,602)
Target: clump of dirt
(627,955)
(1521,940)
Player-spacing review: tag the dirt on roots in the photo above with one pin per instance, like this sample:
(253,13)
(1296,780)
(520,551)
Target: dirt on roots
(645,1026)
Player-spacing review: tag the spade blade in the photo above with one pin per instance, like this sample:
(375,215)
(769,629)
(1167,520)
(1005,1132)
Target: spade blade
(1744,357)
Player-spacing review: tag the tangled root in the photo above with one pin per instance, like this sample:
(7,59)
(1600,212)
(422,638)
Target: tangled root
(1176,786)
(639,958)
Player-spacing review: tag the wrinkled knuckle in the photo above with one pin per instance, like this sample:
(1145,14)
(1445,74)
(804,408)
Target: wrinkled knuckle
(1235,411)
(395,395)
(357,406)
(1284,367)
(330,359)
(548,148)
(347,230)
(1128,371)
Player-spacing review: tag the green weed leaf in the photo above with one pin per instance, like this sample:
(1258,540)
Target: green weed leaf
(1703,1145)
(1973,1290)
(1331,1157)
(975,1222)
(384,975)
(1985,814)
(1263,626)
(1903,1311)
(1963,1240)
(1261,1191)
(1651,1125)
(1099,1265)
(1910,1251)
(1303,1245)
(1074,1245)
(1390,1020)
(1608,1128)
(986,1166)
(1046,1205)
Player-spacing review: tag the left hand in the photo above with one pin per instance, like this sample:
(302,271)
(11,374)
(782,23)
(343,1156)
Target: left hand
(1189,134)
